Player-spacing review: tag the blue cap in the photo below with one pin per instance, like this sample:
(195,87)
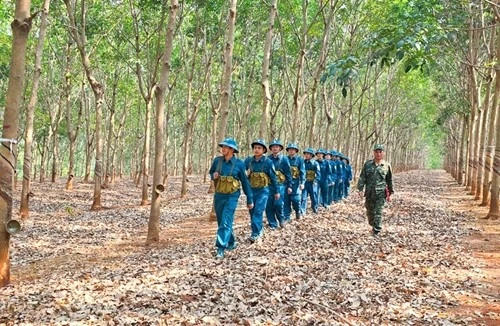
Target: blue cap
(310,151)
(334,153)
(261,143)
(230,142)
(276,142)
(320,151)
(293,146)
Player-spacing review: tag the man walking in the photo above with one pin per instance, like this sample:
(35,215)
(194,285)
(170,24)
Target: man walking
(376,179)
(262,176)
(228,173)
(274,209)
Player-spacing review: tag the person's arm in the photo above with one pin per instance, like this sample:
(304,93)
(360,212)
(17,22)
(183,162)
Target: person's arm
(213,168)
(362,179)
(287,171)
(302,172)
(317,179)
(245,183)
(271,172)
(388,180)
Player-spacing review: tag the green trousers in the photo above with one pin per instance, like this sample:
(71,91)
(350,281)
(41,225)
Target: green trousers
(374,207)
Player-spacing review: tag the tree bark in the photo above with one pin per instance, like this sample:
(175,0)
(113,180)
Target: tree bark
(266,88)
(20,30)
(71,129)
(494,212)
(158,186)
(80,39)
(30,114)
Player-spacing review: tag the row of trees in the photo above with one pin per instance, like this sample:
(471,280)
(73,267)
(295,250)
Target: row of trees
(473,138)
(330,73)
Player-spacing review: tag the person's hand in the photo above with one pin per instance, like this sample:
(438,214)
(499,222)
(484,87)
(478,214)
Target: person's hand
(289,191)
(216,175)
(276,196)
(301,187)
(250,206)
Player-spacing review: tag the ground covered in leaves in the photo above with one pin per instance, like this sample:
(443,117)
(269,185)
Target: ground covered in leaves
(435,263)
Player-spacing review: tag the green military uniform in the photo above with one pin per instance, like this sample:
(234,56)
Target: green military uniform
(375,179)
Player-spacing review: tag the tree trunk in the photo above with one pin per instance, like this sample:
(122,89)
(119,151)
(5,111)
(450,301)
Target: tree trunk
(30,115)
(266,89)
(89,135)
(71,129)
(111,130)
(158,186)
(20,30)
(228,70)
(494,212)
(298,97)
(80,39)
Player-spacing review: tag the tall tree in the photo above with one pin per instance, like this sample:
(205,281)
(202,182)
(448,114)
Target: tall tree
(30,114)
(80,39)
(266,88)
(21,26)
(154,217)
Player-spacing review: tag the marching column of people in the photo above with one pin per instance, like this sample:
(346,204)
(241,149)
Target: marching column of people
(276,184)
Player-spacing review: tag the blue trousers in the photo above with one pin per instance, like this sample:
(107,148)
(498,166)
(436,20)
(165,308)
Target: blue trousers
(323,193)
(337,193)
(292,200)
(257,212)
(331,190)
(347,187)
(274,208)
(225,206)
(311,189)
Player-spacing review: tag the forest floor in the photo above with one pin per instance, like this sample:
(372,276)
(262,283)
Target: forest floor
(435,263)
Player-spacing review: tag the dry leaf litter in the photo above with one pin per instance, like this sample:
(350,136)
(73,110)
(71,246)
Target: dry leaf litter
(71,266)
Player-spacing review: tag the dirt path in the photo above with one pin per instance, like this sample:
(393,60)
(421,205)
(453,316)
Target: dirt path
(484,304)
(435,263)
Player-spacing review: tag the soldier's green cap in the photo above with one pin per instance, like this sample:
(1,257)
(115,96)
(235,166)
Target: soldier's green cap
(378,147)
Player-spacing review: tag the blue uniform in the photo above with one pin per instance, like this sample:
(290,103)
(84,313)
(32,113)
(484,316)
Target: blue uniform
(313,176)
(332,180)
(264,167)
(347,179)
(274,208)
(326,172)
(225,203)
(298,179)
(338,183)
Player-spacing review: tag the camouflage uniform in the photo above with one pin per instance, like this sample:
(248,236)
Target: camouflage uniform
(375,179)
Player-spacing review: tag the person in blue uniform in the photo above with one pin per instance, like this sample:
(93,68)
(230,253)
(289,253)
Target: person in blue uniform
(342,194)
(293,195)
(326,171)
(274,209)
(313,176)
(228,174)
(262,177)
(332,177)
(338,179)
(347,176)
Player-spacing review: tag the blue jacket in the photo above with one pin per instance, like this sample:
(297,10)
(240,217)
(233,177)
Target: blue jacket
(348,173)
(340,170)
(282,164)
(236,169)
(326,170)
(265,165)
(312,165)
(298,162)
(333,175)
